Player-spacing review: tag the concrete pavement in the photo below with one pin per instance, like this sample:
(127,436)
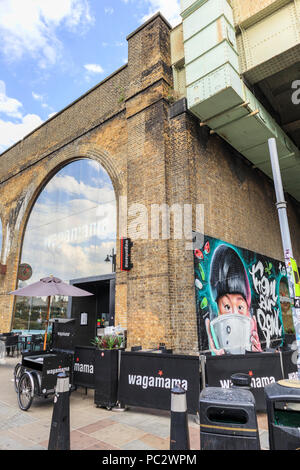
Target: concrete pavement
(92,428)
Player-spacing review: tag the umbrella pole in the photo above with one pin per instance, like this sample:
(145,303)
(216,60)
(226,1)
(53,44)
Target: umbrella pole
(47,322)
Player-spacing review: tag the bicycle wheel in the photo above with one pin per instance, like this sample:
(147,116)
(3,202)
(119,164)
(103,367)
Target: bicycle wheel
(25,391)
(17,374)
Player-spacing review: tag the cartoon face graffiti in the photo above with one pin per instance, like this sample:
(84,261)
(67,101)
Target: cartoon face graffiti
(233,303)
(234,330)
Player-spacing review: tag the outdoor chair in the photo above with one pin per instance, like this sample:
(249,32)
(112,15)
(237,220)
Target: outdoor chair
(36,342)
(12,344)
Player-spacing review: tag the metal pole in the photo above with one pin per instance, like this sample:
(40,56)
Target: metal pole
(285,236)
(47,321)
(29,315)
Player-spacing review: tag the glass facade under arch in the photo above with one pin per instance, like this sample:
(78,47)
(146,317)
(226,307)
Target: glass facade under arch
(70,232)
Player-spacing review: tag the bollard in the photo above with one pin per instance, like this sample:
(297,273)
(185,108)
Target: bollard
(179,435)
(60,426)
(241,380)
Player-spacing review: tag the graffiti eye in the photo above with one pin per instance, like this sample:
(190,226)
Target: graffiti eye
(227,307)
(207,248)
(199,254)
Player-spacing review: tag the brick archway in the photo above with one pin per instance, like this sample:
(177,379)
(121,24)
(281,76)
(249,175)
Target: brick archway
(16,218)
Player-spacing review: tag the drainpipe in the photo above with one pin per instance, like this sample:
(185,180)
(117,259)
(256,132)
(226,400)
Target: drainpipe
(285,237)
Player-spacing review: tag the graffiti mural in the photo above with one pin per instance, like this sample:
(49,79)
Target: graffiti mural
(237,299)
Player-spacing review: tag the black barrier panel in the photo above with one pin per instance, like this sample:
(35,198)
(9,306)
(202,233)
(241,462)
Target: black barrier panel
(48,363)
(84,366)
(289,360)
(63,335)
(54,364)
(146,379)
(263,369)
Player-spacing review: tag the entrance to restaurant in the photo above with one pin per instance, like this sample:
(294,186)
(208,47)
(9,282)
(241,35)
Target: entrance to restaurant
(93,312)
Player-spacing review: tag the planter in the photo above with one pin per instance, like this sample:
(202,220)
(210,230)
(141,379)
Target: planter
(106,377)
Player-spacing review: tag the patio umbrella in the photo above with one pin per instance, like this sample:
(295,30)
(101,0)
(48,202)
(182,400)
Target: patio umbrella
(47,287)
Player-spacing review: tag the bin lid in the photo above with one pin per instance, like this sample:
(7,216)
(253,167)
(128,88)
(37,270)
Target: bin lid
(232,395)
(289,383)
(240,379)
(279,392)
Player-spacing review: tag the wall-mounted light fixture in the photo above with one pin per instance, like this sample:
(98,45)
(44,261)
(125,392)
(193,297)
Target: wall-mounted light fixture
(113,257)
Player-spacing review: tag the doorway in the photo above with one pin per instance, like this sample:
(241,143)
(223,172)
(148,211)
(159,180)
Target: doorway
(94,311)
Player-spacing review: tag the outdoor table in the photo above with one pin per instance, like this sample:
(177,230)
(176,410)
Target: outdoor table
(25,340)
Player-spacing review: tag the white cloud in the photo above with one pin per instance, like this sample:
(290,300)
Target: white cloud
(109,11)
(29,27)
(67,261)
(170,9)
(9,106)
(74,187)
(11,132)
(41,99)
(94,68)
(37,97)
(95,165)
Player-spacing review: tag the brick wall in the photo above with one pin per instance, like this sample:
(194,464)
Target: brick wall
(153,156)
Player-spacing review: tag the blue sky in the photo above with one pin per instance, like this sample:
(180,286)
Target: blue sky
(52,52)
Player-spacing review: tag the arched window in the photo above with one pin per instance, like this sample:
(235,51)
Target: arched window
(70,233)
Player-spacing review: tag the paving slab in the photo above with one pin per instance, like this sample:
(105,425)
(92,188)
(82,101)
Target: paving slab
(118,434)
